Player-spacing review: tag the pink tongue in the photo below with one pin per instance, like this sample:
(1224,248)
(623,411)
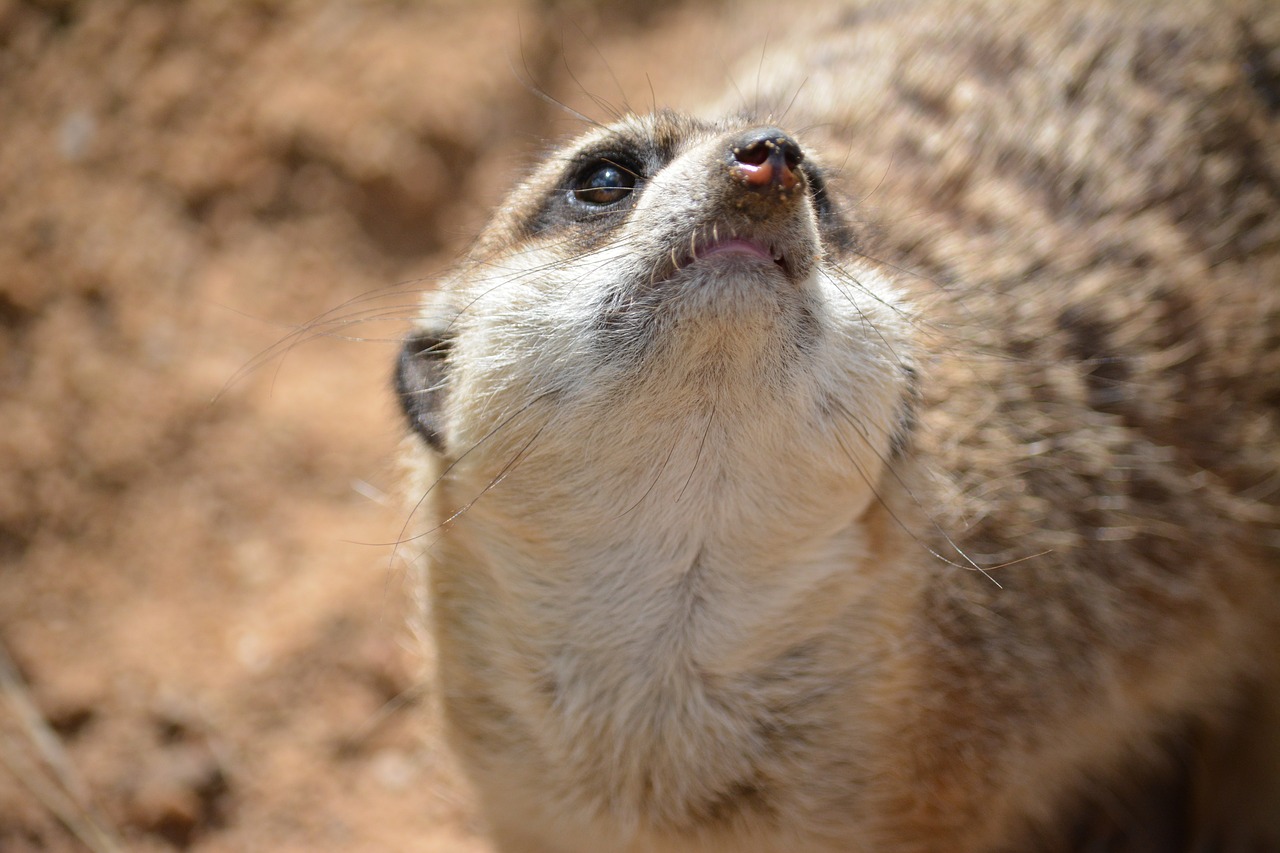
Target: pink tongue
(743,247)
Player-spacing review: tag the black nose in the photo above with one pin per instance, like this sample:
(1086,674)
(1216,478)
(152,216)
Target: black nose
(766,157)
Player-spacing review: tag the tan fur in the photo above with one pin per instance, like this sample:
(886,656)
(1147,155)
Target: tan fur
(681,603)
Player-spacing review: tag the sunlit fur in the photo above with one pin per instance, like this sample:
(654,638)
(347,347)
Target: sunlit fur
(874,550)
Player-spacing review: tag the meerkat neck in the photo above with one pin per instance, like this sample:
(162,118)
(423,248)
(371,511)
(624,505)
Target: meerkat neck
(685,566)
(653,669)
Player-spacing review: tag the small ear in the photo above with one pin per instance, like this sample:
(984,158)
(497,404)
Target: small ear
(422,377)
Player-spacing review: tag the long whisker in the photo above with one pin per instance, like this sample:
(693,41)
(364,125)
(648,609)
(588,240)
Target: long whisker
(502,425)
(892,471)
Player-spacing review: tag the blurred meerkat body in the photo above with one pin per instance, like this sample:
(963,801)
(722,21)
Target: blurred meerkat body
(709,464)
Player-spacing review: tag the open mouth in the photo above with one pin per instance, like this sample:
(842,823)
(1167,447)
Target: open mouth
(702,250)
(738,246)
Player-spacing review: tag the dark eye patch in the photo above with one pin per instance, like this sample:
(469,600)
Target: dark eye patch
(836,231)
(597,188)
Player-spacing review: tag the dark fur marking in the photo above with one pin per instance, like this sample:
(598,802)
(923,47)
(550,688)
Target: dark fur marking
(421,374)
(1156,809)
(794,661)
(741,798)
(1262,68)
(994,61)
(1146,490)
(837,233)
(1105,370)
(900,442)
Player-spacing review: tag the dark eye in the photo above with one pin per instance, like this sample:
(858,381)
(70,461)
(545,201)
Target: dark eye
(603,183)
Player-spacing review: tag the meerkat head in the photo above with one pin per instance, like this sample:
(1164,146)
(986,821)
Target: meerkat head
(664,293)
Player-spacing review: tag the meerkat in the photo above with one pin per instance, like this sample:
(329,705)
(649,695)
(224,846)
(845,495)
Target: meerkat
(886,460)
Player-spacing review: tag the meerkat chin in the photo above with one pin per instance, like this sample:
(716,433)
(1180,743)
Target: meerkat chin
(750,527)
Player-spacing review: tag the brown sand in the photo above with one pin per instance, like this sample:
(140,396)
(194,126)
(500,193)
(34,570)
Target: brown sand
(197,480)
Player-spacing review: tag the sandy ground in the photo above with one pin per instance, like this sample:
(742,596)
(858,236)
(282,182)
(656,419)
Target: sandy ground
(214,219)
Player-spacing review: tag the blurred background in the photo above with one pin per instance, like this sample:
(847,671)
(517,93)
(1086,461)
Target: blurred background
(215,218)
